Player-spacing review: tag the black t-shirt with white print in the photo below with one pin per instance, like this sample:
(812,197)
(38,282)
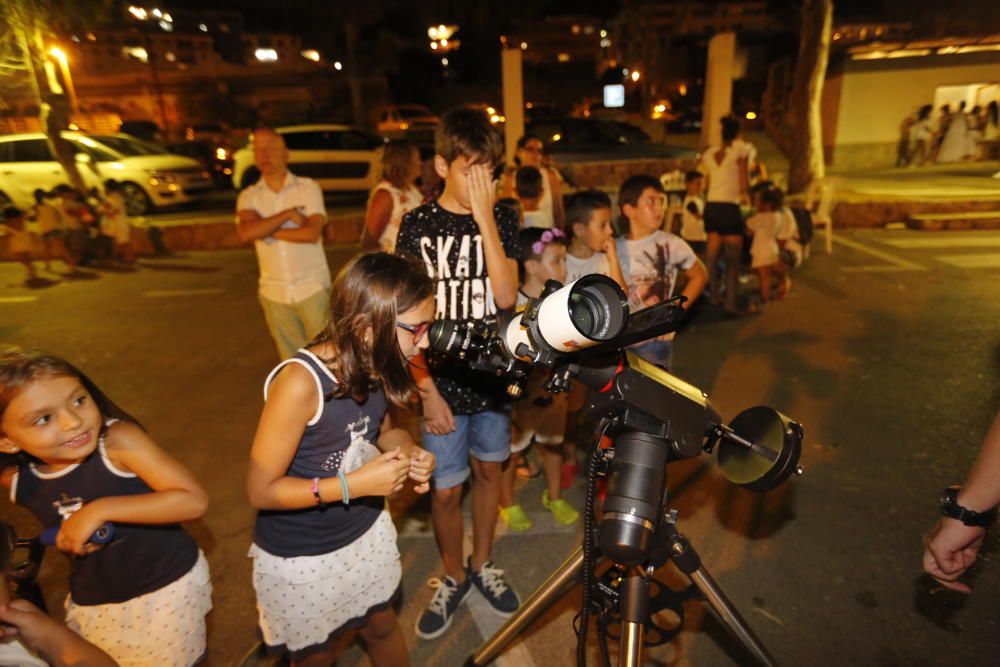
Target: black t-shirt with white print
(451,247)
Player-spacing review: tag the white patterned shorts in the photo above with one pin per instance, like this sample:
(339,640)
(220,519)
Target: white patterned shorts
(306,601)
(165,628)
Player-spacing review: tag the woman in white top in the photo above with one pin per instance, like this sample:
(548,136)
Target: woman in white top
(394,197)
(725,170)
(529,154)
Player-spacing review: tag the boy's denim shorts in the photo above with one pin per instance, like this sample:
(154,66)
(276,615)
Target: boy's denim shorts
(659,352)
(484,435)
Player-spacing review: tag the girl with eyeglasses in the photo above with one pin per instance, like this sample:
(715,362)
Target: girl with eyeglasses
(326,455)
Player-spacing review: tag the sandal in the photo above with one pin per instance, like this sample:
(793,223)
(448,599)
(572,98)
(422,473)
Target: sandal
(515,518)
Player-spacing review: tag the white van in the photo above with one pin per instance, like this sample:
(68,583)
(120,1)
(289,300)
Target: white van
(150,176)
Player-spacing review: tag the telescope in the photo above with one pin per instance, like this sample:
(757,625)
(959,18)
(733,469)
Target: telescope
(646,418)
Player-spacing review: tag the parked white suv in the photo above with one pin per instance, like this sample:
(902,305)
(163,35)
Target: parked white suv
(150,176)
(338,157)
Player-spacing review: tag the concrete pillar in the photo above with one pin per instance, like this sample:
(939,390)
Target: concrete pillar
(718,86)
(513,100)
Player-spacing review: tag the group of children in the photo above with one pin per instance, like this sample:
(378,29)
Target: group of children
(329,448)
(776,245)
(71,226)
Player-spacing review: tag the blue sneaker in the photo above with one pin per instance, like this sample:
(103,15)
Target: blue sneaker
(491,583)
(441,610)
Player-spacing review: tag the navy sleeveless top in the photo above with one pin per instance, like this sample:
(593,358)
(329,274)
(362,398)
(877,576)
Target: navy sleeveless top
(139,559)
(333,438)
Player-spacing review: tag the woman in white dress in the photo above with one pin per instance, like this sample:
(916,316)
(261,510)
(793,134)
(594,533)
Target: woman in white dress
(955,145)
(394,197)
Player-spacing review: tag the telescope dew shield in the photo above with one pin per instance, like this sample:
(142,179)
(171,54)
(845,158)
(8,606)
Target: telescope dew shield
(586,312)
(635,498)
(771,431)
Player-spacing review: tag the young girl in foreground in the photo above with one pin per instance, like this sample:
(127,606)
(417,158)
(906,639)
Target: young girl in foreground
(84,462)
(325,557)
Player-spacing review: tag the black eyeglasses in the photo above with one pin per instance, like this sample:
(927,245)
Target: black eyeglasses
(418,331)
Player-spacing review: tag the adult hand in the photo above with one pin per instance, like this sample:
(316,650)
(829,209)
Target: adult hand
(296,216)
(41,633)
(422,464)
(438,419)
(482,193)
(950,549)
(380,477)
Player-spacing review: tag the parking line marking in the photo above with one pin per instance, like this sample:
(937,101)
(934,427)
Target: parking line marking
(194,291)
(17,299)
(874,268)
(947,242)
(972,260)
(891,259)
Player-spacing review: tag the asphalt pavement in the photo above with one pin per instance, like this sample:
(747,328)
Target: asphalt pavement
(886,351)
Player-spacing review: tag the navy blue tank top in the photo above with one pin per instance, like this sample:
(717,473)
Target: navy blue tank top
(139,559)
(340,436)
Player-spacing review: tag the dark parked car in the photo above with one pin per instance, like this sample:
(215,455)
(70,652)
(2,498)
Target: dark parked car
(142,129)
(586,139)
(216,157)
(684,121)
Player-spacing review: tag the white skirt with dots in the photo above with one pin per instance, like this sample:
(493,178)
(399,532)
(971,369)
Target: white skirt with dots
(305,602)
(165,628)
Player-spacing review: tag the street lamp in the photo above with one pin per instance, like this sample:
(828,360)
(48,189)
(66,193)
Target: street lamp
(60,56)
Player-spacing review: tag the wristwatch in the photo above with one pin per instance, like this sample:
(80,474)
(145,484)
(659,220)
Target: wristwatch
(950,508)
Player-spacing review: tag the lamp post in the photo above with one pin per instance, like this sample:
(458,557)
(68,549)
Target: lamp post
(63,60)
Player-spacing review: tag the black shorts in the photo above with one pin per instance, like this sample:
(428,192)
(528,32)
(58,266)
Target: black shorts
(723,218)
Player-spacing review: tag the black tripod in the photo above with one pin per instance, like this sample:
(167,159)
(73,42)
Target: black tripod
(634,546)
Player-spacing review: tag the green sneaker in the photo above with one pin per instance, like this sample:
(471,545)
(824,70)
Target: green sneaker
(515,518)
(561,510)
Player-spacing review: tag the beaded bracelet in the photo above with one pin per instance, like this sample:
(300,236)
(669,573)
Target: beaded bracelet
(315,490)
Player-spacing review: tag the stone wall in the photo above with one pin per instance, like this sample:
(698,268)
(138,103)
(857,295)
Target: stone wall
(341,229)
(879,213)
(610,175)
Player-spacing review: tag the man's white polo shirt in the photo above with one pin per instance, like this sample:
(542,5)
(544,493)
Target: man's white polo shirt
(289,272)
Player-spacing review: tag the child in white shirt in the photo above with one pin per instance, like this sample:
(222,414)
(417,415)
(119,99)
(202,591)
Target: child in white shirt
(528,186)
(651,258)
(539,417)
(693,213)
(765,226)
(592,249)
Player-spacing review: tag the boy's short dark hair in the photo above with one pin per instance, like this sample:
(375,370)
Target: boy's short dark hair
(40,195)
(634,186)
(513,204)
(581,206)
(12,213)
(528,183)
(693,176)
(468,132)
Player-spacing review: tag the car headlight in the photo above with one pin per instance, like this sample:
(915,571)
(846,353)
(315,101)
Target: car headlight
(156,176)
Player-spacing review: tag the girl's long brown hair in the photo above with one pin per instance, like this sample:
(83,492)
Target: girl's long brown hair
(369,294)
(19,368)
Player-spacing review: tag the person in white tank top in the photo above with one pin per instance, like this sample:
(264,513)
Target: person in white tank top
(530,152)
(393,197)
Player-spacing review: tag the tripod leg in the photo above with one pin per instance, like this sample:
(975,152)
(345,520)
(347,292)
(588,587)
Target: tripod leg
(688,561)
(635,613)
(544,596)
